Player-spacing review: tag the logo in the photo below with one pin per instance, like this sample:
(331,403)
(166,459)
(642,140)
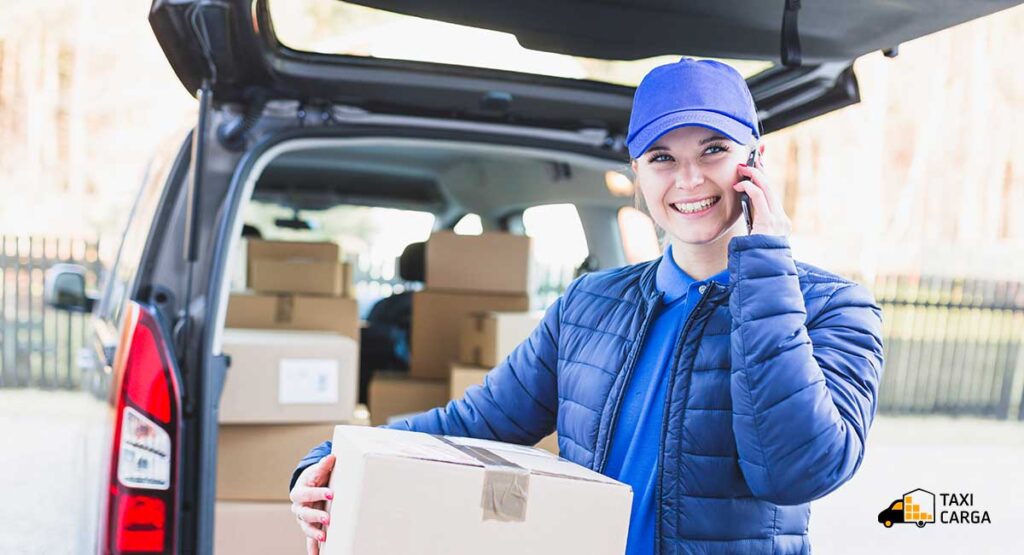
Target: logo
(918,507)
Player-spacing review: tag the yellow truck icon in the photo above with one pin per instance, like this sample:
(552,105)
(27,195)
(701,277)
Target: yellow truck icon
(916,506)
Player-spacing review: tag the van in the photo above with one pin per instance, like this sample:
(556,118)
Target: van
(444,108)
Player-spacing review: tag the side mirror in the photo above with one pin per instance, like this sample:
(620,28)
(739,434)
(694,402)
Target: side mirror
(65,288)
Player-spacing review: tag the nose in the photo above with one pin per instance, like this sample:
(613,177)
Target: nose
(689,176)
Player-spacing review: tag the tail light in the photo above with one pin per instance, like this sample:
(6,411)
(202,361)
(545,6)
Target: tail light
(143,465)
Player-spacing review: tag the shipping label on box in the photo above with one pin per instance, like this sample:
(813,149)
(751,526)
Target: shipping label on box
(307,381)
(285,376)
(465,496)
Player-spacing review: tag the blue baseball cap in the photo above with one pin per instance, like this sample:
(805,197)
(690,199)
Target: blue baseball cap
(691,92)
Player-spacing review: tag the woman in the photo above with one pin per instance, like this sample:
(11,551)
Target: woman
(728,384)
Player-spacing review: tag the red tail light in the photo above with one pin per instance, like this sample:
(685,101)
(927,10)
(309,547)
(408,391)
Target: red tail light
(143,465)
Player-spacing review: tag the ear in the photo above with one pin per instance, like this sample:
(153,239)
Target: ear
(632,165)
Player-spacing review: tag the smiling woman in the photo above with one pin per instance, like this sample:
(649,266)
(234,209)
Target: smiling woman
(722,379)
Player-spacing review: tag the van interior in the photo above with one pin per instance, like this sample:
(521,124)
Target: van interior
(376,196)
(379,200)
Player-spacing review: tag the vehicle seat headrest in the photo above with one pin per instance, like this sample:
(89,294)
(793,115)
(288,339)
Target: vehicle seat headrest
(412,263)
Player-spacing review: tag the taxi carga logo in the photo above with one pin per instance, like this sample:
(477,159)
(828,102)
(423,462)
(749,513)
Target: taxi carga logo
(918,507)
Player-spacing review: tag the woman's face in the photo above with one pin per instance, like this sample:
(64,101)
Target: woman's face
(686,178)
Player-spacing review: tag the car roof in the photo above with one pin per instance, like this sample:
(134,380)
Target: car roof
(231,48)
(744,29)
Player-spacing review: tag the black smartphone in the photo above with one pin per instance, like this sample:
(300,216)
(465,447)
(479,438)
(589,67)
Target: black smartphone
(744,198)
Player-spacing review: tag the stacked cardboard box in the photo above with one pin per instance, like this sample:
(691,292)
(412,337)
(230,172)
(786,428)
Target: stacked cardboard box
(295,286)
(247,528)
(464,376)
(486,339)
(465,274)
(293,343)
(283,393)
(297,267)
(394,395)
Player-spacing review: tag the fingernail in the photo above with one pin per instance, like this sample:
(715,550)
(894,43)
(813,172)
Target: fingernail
(323,537)
(329,496)
(324,520)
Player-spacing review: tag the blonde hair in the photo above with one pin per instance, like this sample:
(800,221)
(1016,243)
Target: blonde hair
(640,204)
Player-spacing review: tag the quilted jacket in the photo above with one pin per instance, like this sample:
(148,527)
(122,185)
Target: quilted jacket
(774,390)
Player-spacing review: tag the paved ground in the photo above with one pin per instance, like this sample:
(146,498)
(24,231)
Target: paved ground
(48,448)
(49,459)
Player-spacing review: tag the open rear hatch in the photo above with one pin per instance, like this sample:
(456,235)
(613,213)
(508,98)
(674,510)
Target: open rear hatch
(798,59)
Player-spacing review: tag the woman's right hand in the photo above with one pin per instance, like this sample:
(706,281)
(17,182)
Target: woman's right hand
(309,497)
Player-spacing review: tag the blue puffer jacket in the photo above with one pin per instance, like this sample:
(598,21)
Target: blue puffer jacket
(769,406)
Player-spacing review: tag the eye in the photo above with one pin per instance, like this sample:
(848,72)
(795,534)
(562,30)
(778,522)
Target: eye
(659,157)
(716,149)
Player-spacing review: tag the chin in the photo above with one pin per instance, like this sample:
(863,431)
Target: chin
(697,236)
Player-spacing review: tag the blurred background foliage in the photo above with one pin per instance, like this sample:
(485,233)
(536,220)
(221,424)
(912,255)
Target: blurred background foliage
(923,176)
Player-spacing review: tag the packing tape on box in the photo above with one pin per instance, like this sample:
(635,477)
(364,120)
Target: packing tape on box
(284,308)
(506,484)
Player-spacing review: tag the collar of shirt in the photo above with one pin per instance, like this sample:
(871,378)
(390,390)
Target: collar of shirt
(675,283)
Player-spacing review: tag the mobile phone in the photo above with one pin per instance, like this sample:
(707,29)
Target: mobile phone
(745,198)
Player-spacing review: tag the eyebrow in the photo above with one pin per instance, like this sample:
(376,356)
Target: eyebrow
(702,142)
(712,139)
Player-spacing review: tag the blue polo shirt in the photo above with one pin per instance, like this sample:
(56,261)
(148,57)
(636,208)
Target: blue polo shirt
(633,454)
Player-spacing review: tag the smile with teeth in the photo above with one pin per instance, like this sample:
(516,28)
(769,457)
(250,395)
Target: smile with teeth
(694,207)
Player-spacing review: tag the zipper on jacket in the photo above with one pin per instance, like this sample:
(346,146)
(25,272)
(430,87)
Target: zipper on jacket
(664,419)
(630,365)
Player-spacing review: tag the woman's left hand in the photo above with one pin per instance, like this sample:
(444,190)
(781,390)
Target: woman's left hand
(766,207)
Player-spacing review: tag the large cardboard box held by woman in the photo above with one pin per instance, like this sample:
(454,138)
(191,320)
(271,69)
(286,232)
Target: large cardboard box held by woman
(413,493)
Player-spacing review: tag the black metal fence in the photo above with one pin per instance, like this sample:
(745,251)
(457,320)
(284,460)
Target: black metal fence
(953,346)
(39,346)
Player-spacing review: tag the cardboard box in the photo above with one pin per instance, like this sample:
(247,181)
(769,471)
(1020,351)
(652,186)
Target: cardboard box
(321,251)
(463,376)
(486,338)
(246,528)
(437,321)
(289,376)
(490,263)
(294,312)
(407,492)
(348,280)
(296,276)
(294,267)
(254,462)
(392,395)
(549,444)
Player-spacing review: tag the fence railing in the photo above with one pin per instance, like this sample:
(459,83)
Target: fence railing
(39,346)
(953,346)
